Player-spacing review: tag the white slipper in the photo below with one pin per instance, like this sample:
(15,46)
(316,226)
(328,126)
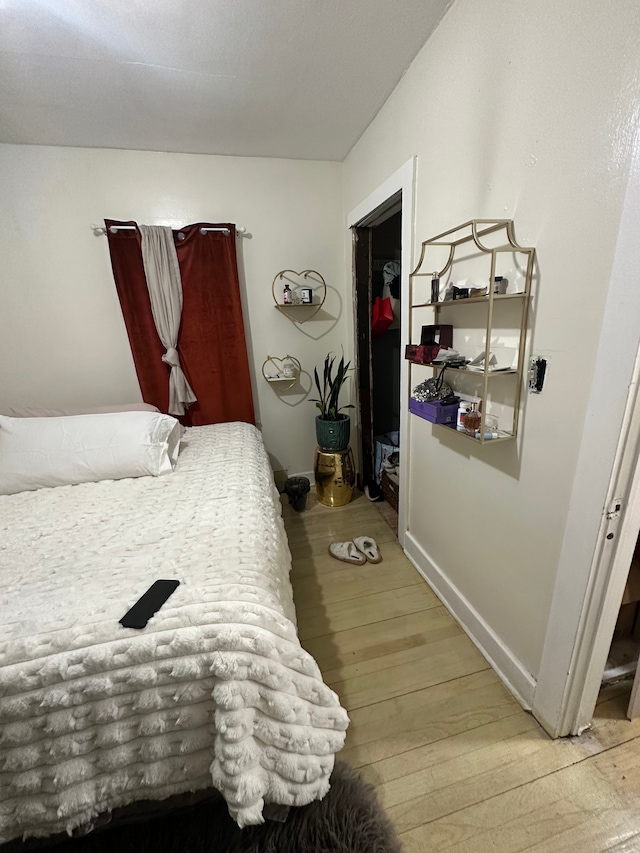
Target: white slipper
(367,546)
(347,553)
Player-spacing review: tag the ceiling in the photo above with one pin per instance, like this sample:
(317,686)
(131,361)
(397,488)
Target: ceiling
(272,78)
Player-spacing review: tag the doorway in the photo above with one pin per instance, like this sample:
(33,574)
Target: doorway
(378,301)
(394,195)
(576,650)
(623,565)
(624,651)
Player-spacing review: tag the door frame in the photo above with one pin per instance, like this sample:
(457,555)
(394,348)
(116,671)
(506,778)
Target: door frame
(598,540)
(362,244)
(402,180)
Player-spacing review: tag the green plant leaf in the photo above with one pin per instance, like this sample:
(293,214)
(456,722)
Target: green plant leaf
(329,392)
(320,403)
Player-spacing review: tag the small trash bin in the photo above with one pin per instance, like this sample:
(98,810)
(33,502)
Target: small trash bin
(297,489)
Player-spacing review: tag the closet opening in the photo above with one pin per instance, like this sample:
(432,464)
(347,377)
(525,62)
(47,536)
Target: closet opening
(378,296)
(621,670)
(602,663)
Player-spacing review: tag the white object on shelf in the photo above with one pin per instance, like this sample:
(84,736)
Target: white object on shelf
(500,358)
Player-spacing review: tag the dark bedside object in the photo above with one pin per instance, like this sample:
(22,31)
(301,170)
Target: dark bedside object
(390,488)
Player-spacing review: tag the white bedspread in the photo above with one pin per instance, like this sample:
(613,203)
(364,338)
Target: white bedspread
(215,690)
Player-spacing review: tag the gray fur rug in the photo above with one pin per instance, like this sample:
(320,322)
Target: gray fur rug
(348,820)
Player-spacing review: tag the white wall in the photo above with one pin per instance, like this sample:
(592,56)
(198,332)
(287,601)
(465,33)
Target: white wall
(523,111)
(62,338)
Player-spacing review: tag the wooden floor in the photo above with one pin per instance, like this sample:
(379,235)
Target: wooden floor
(457,763)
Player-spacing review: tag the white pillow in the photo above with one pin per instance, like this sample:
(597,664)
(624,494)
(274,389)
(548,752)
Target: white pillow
(32,412)
(40,452)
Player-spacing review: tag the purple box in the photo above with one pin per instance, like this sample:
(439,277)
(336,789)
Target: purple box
(434,412)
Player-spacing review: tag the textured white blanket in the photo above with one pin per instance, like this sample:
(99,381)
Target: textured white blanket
(215,690)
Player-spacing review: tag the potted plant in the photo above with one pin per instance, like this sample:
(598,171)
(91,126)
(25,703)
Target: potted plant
(332,428)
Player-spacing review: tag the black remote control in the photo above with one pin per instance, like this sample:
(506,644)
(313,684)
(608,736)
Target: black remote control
(148,604)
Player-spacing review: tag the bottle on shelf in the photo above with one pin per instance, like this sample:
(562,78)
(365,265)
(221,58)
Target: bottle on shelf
(463,408)
(471,420)
(435,288)
(490,428)
(287,296)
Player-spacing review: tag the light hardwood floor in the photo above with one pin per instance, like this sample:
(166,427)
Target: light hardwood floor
(457,763)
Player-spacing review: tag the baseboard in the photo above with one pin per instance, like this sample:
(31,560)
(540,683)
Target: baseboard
(511,671)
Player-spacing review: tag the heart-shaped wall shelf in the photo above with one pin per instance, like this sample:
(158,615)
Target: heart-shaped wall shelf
(298,311)
(275,369)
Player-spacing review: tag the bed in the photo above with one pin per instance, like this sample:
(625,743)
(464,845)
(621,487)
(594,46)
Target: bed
(215,691)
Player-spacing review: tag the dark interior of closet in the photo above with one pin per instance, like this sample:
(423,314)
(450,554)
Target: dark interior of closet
(380,402)
(625,646)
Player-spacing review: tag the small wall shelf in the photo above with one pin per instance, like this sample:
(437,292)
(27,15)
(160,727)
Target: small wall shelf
(470,300)
(273,368)
(299,312)
(496,440)
(485,249)
(467,371)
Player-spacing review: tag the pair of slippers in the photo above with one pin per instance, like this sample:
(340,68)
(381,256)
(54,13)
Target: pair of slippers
(357,552)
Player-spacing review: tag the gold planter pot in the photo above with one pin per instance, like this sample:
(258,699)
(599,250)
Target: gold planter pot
(335,476)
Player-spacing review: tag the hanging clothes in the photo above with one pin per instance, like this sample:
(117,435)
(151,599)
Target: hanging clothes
(391,279)
(385,315)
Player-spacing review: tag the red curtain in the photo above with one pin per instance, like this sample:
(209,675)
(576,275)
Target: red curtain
(211,342)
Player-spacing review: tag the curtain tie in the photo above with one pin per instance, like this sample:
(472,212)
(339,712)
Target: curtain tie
(171,357)
(180,394)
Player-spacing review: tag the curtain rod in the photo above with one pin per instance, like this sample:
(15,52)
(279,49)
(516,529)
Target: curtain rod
(99,230)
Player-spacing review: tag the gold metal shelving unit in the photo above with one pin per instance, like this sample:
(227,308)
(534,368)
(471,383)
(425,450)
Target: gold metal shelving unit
(300,312)
(273,371)
(472,236)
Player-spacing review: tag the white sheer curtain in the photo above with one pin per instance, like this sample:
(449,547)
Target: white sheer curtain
(165,293)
